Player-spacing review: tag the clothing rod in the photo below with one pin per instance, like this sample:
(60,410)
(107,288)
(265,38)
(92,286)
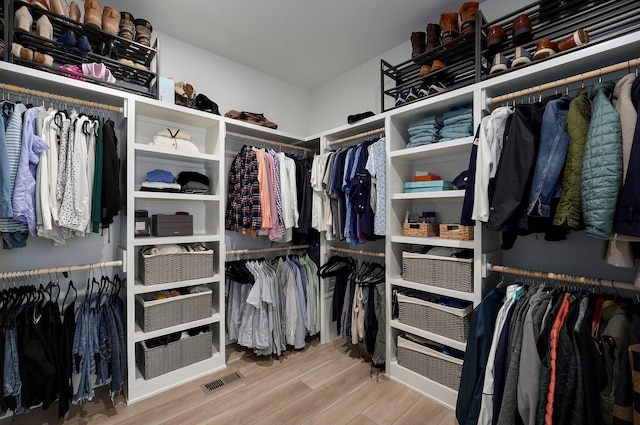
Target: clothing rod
(355,251)
(58,98)
(581,280)
(357,136)
(270,142)
(565,81)
(272,249)
(21,273)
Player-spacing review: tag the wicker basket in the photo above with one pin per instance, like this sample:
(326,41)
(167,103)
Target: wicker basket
(423,230)
(429,363)
(443,272)
(456,231)
(172,311)
(165,268)
(157,361)
(447,321)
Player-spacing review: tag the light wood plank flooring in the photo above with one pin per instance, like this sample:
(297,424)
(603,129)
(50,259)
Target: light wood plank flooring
(321,384)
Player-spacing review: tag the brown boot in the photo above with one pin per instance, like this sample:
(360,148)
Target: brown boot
(433,36)
(468,16)
(449,27)
(417,43)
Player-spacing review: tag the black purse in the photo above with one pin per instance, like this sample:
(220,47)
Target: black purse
(203,103)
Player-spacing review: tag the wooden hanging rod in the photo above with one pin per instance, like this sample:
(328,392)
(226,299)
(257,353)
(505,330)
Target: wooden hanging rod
(565,81)
(272,249)
(59,98)
(580,280)
(269,142)
(357,136)
(358,252)
(50,270)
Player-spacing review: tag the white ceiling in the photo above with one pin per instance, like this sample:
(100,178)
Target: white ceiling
(303,42)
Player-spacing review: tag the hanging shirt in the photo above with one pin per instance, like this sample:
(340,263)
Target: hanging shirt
(377,167)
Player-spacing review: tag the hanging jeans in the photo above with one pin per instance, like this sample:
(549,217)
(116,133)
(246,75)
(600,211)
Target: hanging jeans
(12,381)
(379,352)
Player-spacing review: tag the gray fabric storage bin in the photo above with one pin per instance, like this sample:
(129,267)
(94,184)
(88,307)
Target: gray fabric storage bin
(160,314)
(438,367)
(165,268)
(157,361)
(443,272)
(447,321)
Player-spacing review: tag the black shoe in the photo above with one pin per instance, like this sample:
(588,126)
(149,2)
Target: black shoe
(203,103)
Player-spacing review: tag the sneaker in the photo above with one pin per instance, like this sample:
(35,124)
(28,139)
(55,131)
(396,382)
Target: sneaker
(412,94)
(436,88)
(522,57)
(500,63)
(401,98)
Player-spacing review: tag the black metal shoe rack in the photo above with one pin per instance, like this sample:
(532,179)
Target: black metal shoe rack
(469,61)
(129,78)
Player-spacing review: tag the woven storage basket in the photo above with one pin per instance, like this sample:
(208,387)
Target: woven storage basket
(429,363)
(443,272)
(456,231)
(447,321)
(157,361)
(424,230)
(159,314)
(164,268)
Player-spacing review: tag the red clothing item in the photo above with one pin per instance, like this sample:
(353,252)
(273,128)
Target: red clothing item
(555,333)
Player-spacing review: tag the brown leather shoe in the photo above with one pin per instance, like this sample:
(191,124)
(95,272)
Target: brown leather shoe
(468,16)
(544,48)
(578,38)
(425,69)
(93,14)
(127,28)
(449,27)
(417,43)
(437,64)
(433,36)
(143,32)
(522,29)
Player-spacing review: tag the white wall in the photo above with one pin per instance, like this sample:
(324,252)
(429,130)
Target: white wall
(235,86)
(359,89)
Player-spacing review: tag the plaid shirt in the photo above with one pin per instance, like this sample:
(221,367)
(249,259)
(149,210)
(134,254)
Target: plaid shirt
(243,192)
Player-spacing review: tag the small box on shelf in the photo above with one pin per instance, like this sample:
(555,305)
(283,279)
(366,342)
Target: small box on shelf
(456,232)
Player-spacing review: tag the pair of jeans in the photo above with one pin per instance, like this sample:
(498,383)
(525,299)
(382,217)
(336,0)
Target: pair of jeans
(468,117)
(425,138)
(429,129)
(379,351)
(457,130)
(432,119)
(14,240)
(85,348)
(12,381)
(554,142)
(455,111)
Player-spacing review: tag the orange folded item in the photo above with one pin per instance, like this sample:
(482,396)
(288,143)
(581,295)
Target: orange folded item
(428,178)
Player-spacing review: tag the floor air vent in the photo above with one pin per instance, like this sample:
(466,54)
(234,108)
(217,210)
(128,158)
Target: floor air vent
(221,382)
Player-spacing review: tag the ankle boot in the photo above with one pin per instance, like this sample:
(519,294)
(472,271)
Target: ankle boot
(110,20)
(74,11)
(417,43)
(23,19)
(44,27)
(93,14)
(433,36)
(449,27)
(468,16)
(56,7)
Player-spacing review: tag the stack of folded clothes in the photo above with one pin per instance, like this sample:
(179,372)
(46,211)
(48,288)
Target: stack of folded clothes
(458,123)
(424,131)
(193,182)
(174,138)
(160,181)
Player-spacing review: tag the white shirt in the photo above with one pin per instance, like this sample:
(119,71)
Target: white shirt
(490,137)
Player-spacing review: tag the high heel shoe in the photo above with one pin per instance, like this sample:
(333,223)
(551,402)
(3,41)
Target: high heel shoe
(68,40)
(83,45)
(23,19)
(44,27)
(109,50)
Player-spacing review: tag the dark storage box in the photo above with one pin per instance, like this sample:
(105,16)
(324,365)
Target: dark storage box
(172,225)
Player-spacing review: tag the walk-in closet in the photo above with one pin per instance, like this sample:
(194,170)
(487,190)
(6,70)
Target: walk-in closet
(294,214)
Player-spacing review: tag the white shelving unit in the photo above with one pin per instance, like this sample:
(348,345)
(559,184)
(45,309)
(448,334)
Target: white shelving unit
(206,130)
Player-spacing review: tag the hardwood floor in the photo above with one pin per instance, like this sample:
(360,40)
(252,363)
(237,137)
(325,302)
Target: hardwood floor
(321,384)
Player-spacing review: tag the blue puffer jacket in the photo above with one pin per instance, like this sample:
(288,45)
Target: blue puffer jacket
(602,164)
